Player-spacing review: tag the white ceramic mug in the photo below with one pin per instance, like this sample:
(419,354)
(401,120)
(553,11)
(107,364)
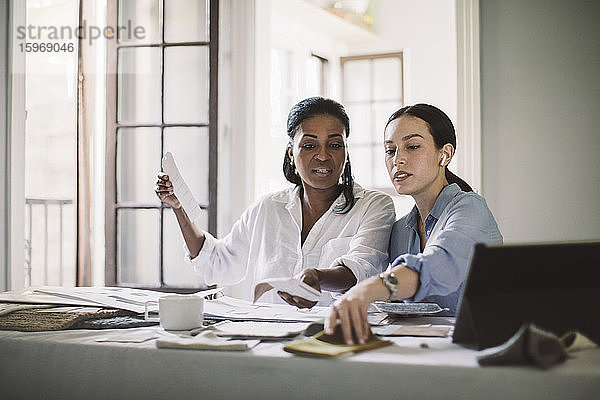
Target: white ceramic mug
(178,312)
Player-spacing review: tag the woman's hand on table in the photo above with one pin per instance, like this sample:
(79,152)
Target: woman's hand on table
(350,310)
(309,276)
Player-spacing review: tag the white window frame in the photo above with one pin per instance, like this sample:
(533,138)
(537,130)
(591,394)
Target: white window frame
(468,92)
(14,271)
(15,152)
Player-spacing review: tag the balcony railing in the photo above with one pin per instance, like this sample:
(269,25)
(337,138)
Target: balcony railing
(37,237)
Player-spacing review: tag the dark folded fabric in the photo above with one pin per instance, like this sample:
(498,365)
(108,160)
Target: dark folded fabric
(530,345)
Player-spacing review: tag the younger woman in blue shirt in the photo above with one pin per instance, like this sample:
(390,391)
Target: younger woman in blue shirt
(432,245)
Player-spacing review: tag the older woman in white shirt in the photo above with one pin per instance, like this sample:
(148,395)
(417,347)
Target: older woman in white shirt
(326,230)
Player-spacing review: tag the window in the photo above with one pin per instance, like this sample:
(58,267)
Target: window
(316,75)
(50,142)
(372,90)
(162,97)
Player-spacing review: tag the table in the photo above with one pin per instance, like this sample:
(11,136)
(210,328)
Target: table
(73,365)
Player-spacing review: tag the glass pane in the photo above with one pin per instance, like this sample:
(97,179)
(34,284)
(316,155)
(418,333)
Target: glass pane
(283,88)
(360,124)
(314,77)
(190,149)
(186,84)
(186,21)
(138,164)
(387,79)
(50,242)
(381,114)
(357,76)
(361,161)
(139,85)
(381,178)
(139,20)
(49,142)
(138,246)
(176,271)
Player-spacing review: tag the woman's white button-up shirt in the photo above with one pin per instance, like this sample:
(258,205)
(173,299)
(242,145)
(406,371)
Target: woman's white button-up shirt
(265,241)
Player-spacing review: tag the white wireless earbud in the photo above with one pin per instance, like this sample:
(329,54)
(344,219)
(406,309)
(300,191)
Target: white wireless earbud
(443,161)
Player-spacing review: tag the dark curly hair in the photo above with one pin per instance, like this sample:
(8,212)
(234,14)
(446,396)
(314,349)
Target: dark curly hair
(440,127)
(308,108)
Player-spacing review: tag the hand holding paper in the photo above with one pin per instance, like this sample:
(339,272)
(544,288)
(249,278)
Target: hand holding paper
(288,285)
(181,189)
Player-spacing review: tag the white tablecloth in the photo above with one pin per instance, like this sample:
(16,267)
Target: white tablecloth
(74,365)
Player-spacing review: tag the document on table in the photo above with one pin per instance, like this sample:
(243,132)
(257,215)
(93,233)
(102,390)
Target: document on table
(116,297)
(181,189)
(292,286)
(34,295)
(258,329)
(426,330)
(241,310)
(121,297)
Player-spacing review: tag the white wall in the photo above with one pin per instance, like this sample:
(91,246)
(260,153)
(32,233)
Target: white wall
(540,93)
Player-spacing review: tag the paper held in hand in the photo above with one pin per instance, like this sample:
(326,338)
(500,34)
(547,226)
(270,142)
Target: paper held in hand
(181,189)
(288,285)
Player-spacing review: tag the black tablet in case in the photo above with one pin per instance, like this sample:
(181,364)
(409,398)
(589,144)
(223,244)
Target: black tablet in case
(554,285)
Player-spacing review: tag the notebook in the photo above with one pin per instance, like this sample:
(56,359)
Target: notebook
(324,345)
(555,286)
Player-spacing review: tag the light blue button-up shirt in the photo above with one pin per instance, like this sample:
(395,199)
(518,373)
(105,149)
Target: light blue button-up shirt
(457,221)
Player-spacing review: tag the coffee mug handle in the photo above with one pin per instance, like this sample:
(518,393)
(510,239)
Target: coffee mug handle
(146,317)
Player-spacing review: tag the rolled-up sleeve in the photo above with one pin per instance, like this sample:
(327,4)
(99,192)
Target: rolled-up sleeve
(444,263)
(368,250)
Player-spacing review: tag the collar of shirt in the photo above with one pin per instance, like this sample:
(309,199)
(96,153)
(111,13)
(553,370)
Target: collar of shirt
(293,204)
(292,197)
(445,196)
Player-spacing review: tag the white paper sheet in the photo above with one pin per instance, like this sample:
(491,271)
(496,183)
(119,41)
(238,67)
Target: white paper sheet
(181,189)
(32,295)
(7,308)
(204,341)
(236,309)
(259,329)
(292,286)
(427,330)
(120,297)
(116,297)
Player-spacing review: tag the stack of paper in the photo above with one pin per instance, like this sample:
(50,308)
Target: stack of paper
(114,297)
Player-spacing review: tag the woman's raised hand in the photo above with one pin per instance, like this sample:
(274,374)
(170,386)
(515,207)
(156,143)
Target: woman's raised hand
(164,191)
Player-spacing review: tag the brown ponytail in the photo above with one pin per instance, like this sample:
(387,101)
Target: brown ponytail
(452,178)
